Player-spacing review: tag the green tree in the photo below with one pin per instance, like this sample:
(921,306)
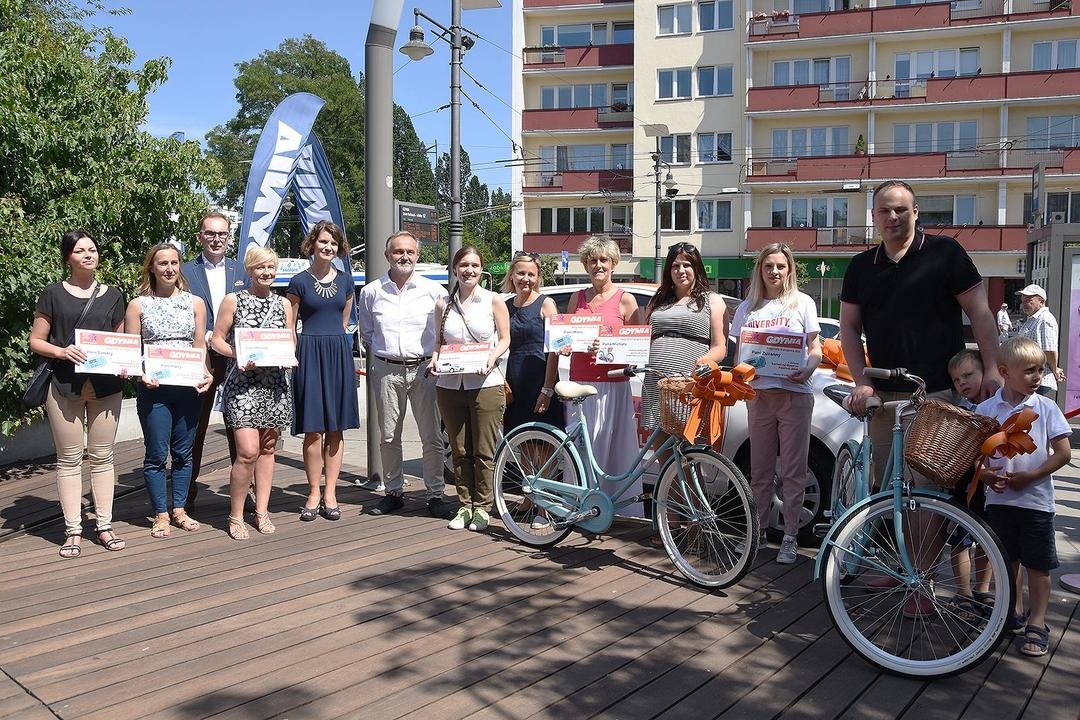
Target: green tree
(414,180)
(71,105)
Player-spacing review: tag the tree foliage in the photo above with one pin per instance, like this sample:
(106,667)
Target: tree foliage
(71,105)
(488,231)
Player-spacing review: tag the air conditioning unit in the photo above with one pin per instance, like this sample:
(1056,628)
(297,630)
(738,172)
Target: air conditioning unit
(1057,218)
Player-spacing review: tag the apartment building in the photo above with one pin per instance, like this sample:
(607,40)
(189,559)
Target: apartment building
(782,115)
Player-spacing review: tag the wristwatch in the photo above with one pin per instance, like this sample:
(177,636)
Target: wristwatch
(547,391)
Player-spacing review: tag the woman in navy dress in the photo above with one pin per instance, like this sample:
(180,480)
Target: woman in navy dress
(324,381)
(530,371)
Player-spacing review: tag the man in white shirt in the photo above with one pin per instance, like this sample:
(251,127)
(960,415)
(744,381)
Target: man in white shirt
(1041,326)
(212,276)
(1004,322)
(398,324)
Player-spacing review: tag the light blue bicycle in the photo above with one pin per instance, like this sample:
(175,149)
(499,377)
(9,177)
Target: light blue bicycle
(702,504)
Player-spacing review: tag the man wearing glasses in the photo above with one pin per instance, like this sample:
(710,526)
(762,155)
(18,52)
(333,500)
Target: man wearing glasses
(212,276)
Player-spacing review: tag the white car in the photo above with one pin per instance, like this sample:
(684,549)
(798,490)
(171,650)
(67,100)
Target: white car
(830,425)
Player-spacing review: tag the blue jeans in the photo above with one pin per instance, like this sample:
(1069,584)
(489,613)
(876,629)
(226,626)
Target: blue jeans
(169,416)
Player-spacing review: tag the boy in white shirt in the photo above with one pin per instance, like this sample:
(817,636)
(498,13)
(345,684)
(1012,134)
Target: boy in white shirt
(1020,504)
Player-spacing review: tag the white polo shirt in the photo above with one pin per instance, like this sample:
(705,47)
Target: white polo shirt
(1050,425)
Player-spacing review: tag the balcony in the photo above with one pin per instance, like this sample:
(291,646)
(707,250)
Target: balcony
(884,166)
(853,239)
(912,91)
(593,56)
(778,26)
(572,241)
(579,181)
(589,118)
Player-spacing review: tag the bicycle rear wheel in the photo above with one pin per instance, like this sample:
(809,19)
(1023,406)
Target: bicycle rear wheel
(707,519)
(925,629)
(845,495)
(529,453)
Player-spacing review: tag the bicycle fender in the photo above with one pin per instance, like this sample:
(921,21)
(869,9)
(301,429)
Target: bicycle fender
(819,561)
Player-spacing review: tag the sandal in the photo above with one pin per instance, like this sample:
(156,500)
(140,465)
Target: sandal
(71,548)
(113,544)
(185,522)
(308,514)
(1037,636)
(160,528)
(1016,626)
(237,529)
(263,524)
(330,513)
(966,609)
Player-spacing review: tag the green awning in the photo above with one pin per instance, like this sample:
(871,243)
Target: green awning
(739,268)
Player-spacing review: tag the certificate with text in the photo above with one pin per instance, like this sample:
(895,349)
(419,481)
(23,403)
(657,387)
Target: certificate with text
(776,352)
(174,366)
(458,359)
(109,353)
(575,331)
(628,345)
(265,347)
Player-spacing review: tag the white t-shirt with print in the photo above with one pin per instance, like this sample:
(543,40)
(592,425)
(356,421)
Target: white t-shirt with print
(800,318)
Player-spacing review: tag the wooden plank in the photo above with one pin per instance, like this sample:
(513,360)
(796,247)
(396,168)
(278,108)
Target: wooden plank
(17,703)
(1058,693)
(834,693)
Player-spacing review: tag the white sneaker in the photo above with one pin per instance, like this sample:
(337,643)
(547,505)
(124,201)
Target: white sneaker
(371,484)
(763,542)
(459,521)
(540,523)
(480,520)
(789,551)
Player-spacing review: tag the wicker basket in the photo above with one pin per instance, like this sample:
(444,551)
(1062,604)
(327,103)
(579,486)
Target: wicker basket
(674,410)
(943,441)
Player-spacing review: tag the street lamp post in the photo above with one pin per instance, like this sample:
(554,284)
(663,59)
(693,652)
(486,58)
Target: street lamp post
(659,131)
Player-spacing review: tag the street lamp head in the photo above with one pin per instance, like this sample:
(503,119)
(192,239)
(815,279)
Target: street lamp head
(669,181)
(416,48)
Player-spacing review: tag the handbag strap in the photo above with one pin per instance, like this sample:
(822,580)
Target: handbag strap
(461,312)
(82,315)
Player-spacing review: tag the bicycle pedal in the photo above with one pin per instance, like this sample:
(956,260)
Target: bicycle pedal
(821,529)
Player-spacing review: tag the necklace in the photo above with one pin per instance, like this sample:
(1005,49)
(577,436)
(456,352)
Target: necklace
(323,289)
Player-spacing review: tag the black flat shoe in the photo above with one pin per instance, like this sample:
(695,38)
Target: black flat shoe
(389,504)
(438,508)
(308,514)
(329,513)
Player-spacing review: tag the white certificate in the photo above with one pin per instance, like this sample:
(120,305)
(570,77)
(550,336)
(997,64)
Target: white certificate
(576,331)
(265,347)
(457,359)
(109,353)
(629,345)
(173,365)
(775,352)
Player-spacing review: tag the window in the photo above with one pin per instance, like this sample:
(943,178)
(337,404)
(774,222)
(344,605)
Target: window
(623,93)
(947,210)
(576,35)
(715,15)
(714,214)
(1053,132)
(559,158)
(799,7)
(674,84)
(622,32)
(575,219)
(622,156)
(713,81)
(914,69)
(817,212)
(1056,202)
(811,142)
(573,96)
(622,219)
(947,136)
(1053,55)
(816,71)
(714,147)
(674,19)
(675,149)
(675,215)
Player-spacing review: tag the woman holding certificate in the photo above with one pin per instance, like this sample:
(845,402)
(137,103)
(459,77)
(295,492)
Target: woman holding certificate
(80,405)
(779,415)
(611,410)
(324,381)
(172,324)
(257,401)
(470,390)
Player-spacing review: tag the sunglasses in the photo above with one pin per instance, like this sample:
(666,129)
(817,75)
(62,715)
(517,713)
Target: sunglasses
(535,257)
(682,247)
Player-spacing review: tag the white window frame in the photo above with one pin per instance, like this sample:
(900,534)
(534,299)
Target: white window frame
(1054,125)
(715,144)
(674,72)
(1055,55)
(716,5)
(573,92)
(808,203)
(685,26)
(936,136)
(553,214)
(714,206)
(716,71)
(956,200)
(670,147)
(832,148)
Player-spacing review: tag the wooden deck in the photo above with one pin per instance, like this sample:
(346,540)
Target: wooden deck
(390,617)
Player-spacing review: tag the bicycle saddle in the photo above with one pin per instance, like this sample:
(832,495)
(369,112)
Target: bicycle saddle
(570,390)
(840,394)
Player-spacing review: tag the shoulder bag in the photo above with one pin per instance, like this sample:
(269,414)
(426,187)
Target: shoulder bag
(38,387)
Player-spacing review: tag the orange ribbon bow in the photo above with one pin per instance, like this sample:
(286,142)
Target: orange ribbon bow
(1012,440)
(711,393)
(832,356)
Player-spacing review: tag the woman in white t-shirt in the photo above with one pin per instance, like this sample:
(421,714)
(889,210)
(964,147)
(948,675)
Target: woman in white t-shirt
(779,416)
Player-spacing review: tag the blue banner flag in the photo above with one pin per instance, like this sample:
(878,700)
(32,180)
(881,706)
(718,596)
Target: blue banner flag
(314,188)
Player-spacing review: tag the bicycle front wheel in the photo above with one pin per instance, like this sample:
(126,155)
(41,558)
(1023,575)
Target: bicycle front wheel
(707,519)
(530,453)
(932,627)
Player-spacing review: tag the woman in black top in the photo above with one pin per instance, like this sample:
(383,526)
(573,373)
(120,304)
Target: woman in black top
(80,405)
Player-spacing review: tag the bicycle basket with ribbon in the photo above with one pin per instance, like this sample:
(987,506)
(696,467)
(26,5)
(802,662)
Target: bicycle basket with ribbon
(693,407)
(944,441)
(1012,440)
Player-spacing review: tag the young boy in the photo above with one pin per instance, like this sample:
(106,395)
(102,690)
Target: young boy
(1020,504)
(966,371)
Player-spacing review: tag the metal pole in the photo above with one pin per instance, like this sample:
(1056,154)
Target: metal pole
(378,172)
(657,267)
(456,226)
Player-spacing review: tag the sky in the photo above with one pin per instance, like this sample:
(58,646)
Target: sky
(207,38)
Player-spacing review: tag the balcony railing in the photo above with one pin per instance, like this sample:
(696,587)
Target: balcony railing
(577,181)
(556,242)
(885,18)
(573,57)
(852,239)
(586,118)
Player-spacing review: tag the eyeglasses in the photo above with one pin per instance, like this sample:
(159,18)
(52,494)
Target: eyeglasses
(682,247)
(210,234)
(535,257)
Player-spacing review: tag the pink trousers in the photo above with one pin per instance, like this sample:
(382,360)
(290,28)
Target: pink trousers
(779,426)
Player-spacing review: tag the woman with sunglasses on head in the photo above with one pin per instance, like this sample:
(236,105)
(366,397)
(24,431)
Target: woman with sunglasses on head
(610,412)
(779,415)
(83,410)
(688,322)
(165,313)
